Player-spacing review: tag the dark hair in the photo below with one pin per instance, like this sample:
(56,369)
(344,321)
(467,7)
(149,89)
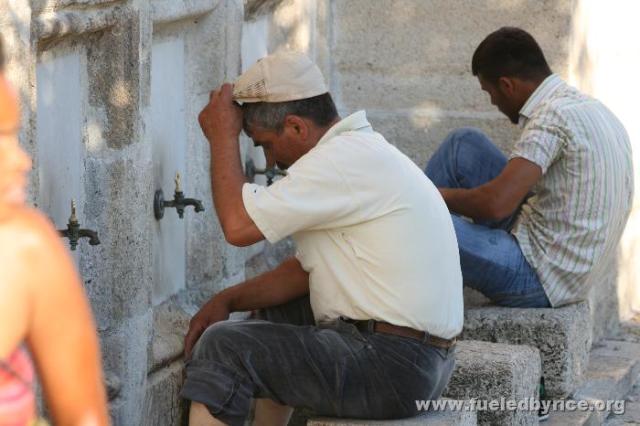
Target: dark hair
(270,115)
(509,52)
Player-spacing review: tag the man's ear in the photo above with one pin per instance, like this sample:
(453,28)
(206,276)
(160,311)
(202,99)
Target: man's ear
(297,126)
(506,85)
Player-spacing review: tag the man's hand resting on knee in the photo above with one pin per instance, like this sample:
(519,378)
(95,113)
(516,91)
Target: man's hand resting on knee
(281,285)
(215,310)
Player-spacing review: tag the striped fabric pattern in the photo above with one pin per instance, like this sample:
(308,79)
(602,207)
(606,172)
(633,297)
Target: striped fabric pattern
(582,202)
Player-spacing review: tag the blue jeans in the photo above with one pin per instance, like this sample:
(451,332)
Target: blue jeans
(334,369)
(490,256)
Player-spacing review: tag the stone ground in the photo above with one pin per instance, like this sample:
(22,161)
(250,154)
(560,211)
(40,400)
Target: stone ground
(630,332)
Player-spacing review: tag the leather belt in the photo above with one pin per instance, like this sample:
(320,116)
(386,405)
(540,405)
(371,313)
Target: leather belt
(397,330)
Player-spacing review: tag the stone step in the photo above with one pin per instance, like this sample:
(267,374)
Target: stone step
(493,372)
(562,335)
(631,415)
(449,417)
(614,367)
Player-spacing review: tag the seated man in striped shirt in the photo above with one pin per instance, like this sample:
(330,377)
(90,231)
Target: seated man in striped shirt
(543,218)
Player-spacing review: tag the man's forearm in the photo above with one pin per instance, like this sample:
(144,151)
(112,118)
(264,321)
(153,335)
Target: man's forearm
(473,203)
(283,284)
(227,179)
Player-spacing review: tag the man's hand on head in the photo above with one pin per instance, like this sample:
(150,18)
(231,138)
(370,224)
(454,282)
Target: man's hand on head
(221,118)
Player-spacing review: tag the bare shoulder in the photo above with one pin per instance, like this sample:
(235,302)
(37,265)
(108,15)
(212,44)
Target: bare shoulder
(27,222)
(27,232)
(26,242)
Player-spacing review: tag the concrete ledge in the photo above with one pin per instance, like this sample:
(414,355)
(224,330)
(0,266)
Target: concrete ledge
(563,336)
(463,417)
(493,371)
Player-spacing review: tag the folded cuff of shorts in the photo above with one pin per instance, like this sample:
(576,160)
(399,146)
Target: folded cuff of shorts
(226,393)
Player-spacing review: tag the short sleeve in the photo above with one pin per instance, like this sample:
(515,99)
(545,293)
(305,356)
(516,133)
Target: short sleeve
(312,196)
(541,143)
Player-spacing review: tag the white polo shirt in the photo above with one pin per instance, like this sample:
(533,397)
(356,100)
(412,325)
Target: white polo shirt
(370,228)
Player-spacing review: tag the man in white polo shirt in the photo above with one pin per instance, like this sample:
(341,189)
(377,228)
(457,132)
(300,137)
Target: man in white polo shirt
(362,321)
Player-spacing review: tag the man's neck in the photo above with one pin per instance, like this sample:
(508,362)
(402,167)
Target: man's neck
(529,87)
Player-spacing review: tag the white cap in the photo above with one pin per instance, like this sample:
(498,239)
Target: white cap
(280,77)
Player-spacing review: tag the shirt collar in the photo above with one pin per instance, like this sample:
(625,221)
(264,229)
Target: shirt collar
(542,92)
(356,121)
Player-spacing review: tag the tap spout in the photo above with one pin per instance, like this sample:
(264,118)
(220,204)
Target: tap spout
(197,204)
(91,235)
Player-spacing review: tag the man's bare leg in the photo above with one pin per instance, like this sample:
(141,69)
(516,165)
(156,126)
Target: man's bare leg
(270,413)
(200,416)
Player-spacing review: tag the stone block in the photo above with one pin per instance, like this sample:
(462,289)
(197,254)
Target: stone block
(162,404)
(563,336)
(462,417)
(494,372)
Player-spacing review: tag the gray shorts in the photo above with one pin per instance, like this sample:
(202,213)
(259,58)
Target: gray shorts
(332,368)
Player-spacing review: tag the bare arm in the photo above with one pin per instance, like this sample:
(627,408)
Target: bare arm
(61,334)
(497,198)
(221,121)
(287,282)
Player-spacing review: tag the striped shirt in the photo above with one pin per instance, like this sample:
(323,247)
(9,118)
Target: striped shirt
(581,203)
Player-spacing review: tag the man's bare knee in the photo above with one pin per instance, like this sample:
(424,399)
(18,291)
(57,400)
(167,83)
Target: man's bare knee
(199,416)
(270,413)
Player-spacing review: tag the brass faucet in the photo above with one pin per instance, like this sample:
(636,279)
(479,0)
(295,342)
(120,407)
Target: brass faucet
(74,233)
(179,202)
(270,173)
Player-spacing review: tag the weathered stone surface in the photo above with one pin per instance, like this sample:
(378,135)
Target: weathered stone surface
(473,298)
(614,368)
(117,273)
(255,8)
(125,351)
(463,417)
(113,385)
(212,263)
(631,413)
(269,258)
(491,371)
(170,324)
(162,405)
(570,418)
(48,6)
(603,297)
(410,56)
(562,335)
(171,10)
(418,133)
